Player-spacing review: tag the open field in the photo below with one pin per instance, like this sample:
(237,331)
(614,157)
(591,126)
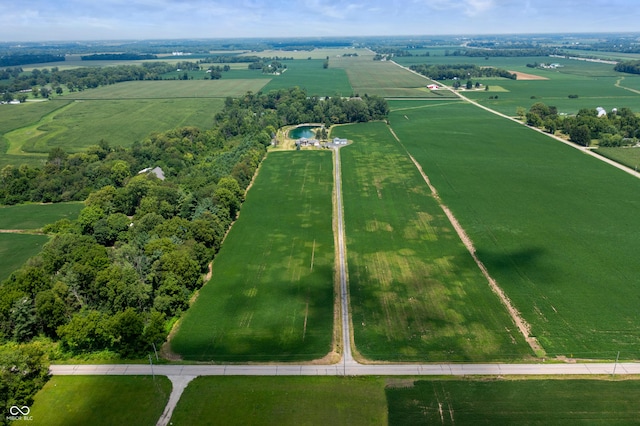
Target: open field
(554,227)
(15,249)
(548,402)
(630,157)
(168,89)
(311,76)
(416,293)
(78,125)
(282,401)
(35,216)
(100,400)
(271,294)
(384,78)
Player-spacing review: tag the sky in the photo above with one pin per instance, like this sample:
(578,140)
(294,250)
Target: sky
(48,20)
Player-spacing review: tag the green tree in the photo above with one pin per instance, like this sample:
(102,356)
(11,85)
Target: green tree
(581,135)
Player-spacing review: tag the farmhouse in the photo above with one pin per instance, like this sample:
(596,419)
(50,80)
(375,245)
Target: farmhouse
(157,171)
(433,87)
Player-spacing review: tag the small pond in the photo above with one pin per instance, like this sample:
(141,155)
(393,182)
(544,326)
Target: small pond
(303,132)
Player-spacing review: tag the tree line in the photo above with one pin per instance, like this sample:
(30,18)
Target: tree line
(631,67)
(619,127)
(460,71)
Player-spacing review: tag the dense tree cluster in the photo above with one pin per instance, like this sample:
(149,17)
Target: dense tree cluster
(632,67)
(617,128)
(479,53)
(460,71)
(118,57)
(28,58)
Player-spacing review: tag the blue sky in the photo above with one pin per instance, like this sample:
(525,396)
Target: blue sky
(36,20)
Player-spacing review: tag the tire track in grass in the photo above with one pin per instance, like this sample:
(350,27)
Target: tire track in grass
(520,322)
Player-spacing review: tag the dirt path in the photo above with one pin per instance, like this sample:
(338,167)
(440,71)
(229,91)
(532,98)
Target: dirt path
(522,325)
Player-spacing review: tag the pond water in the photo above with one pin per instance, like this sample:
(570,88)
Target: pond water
(303,132)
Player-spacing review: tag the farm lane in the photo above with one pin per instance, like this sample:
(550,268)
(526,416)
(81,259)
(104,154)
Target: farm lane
(585,150)
(347,357)
(353,369)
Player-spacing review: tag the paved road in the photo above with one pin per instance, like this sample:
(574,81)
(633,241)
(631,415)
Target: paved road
(354,369)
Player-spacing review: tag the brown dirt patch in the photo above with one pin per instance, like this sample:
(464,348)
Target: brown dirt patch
(525,76)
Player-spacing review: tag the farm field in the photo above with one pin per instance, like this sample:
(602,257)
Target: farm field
(78,125)
(282,401)
(15,249)
(549,402)
(594,83)
(416,293)
(384,78)
(311,76)
(630,157)
(271,296)
(553,226)
(35,216)
(101,400)
(169,89)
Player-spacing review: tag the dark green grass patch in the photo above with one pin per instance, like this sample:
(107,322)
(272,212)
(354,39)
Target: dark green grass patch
(416,293)
(282,401)
(15,249)
(522,402)
(555,227)
(35,216)
(271,294)
(100,400)
(311,76)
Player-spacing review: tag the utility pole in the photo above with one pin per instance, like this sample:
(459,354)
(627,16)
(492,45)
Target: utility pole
(151,362)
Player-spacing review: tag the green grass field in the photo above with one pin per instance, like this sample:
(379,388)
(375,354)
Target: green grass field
(522,402)
(416,293)
(311,76)
(553,226)
(282,401)
(271,294)
(15,249)
(630,157)
(100,400)
(384,78)
(35,216)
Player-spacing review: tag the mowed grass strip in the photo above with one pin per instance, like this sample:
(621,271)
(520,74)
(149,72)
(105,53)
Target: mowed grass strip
(416,293)
(100,400)
(15,249)
(35,216)
(556,228)
(282,401)
(271,294)
(498,402)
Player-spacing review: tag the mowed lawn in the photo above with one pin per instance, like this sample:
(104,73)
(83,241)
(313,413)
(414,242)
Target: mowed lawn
(100,400)
(416,293)
(282,401)
(271,294)
(510,402)
(556,228)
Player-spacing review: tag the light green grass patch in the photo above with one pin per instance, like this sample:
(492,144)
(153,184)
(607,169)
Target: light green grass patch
(311,76)
(629,156)
(497,402)
(553,226)
(271,294)
(282,401)
(416,293)
(35,216)
(100,400)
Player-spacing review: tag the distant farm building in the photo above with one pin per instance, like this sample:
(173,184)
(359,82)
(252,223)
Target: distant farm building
(157,171)
(339,141)
(601,111)
(433,87)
